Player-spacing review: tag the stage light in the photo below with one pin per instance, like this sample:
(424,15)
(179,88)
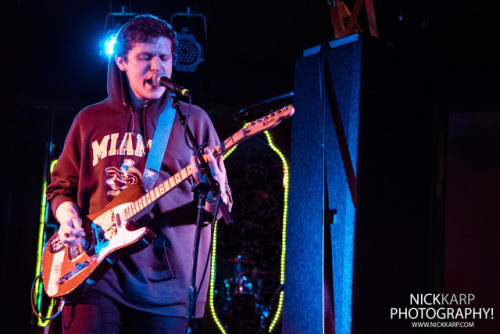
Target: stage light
(113,23)
(189,52)
(191,40)
(109,44)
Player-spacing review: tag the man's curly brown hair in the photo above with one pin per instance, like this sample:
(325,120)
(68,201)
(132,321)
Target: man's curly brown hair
(142,29)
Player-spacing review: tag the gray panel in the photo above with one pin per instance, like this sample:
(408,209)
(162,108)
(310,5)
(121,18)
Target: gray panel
(303,301)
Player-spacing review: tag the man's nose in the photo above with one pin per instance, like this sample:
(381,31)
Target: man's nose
(156,64)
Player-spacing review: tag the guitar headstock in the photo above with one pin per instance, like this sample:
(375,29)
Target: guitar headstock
(269,121)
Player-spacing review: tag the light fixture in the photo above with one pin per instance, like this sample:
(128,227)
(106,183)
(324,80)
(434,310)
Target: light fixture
(109,44)
(191,47)
(114,21)
(189,52)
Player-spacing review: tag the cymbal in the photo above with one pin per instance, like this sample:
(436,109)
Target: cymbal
(263,108)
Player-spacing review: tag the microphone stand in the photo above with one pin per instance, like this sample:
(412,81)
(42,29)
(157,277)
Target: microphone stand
(206,184)
(202,188)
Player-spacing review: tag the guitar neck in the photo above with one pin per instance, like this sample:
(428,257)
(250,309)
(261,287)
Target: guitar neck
(229,143)
(146,202)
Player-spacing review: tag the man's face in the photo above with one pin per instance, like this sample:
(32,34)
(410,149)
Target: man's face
(141,63)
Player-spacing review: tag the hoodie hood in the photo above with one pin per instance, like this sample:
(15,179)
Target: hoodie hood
(118,92)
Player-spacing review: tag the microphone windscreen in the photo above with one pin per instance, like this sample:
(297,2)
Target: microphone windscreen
(157,78)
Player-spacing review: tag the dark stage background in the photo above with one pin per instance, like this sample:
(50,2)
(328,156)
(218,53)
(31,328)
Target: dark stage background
(51,68)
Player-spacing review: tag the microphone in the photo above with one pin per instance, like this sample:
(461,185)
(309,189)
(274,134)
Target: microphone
(161,79)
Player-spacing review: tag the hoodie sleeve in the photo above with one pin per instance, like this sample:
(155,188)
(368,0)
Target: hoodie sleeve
(65,176)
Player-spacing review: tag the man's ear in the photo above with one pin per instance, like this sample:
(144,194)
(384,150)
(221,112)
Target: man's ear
(120,62)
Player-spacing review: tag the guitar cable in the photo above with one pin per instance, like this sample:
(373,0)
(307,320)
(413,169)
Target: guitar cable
(59,309)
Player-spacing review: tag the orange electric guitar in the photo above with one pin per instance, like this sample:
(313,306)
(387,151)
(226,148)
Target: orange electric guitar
(114,231)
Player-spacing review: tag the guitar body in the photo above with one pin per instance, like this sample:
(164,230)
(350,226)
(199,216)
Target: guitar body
(108,238)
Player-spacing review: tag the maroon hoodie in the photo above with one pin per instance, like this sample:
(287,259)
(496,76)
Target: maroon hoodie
(105,151)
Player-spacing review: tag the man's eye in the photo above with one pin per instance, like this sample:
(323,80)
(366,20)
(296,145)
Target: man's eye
(144,57)
(165,58)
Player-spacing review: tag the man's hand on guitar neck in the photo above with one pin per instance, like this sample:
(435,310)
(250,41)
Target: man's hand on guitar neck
(70,229)
(218,172)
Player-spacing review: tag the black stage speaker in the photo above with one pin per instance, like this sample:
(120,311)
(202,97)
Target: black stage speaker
(366,204)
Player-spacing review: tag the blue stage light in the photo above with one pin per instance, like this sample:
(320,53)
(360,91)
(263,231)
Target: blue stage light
(109,45)
(113,23)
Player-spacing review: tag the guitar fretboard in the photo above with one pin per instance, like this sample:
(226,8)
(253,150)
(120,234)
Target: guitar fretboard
(145,203)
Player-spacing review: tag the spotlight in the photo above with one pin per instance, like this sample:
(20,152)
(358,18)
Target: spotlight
(109,44)
(190,52)
(113,23)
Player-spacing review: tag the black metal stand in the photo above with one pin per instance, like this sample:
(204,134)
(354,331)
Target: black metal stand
(201,188)
(205,185)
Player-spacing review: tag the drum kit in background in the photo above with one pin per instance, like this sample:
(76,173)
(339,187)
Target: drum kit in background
(242,305)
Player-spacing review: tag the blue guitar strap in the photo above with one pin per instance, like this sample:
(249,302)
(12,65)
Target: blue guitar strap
(157,151)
